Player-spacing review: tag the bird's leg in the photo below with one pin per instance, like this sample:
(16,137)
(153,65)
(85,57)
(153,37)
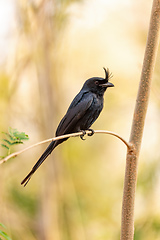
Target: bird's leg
(92,132)
(82,136)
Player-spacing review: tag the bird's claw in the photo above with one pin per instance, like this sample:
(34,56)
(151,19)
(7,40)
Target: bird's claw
(84,133)
(82,136)
(91,133)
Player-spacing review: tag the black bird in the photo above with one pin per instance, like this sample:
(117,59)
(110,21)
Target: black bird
(81,114)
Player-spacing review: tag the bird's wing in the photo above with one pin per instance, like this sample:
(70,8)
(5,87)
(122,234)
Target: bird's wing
(76,111)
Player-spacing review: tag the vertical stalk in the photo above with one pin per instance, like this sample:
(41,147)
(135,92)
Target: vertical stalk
(127,224)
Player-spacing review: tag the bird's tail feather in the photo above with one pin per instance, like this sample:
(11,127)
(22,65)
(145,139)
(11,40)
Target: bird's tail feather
(46,153)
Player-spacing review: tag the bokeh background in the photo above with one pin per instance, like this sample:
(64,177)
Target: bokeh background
(48,49)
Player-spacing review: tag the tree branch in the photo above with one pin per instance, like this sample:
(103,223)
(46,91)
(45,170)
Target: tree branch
(129,145)
(127,226)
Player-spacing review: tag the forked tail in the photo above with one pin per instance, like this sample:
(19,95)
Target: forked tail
(46,153)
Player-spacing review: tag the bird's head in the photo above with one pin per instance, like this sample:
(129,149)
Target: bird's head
(97,84)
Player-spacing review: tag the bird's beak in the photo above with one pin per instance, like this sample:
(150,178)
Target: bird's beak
(107,84)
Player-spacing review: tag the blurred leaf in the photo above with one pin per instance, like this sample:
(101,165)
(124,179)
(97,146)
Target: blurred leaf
(7,141)
(2,225)
(18,135)
(3,234)
(17,142)
(3,145)
(15,138)
(8,135)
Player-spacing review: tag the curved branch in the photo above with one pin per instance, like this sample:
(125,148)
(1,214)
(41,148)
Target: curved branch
(129,146)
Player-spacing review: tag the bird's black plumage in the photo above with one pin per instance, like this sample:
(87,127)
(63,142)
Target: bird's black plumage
(81,114)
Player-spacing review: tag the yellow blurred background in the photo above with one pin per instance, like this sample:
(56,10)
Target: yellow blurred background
(48,49)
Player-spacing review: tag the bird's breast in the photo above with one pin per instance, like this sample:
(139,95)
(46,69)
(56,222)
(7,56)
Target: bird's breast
(98,102)
(92,113)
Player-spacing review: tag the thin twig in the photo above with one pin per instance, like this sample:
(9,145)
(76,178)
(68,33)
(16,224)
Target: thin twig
(129,146)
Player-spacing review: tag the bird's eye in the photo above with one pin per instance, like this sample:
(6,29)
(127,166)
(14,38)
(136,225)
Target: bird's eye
(96,82)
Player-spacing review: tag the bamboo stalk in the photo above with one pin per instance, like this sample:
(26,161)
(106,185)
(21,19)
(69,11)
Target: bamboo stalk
(127,224)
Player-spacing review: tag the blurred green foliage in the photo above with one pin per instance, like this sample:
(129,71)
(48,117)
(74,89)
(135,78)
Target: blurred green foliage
(14,137)
(4,234)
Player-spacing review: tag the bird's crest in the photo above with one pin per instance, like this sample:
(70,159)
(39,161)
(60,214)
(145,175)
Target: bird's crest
(108,75)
